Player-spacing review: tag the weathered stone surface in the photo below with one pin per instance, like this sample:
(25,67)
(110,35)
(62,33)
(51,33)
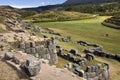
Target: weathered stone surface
(33,51)
(79,72)
(27,45)
(88,69)
(15,60)
(9,55)
(32,44)
(28,51)
(31,66)
(66,39)
(90,56)
(73,51)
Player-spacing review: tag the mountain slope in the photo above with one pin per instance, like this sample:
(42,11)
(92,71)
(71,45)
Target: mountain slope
(84,1)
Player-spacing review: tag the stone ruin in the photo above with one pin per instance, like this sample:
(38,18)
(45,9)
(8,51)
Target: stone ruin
(27,65)
(92,72)
(98,51)
(45,49)
(66,39)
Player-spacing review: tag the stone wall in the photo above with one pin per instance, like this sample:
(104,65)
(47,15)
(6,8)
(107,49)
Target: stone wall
(99,52)
(91,72)
(45,50)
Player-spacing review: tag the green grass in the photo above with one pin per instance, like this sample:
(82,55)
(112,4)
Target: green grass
(2,30)
(50,16)
(89,30)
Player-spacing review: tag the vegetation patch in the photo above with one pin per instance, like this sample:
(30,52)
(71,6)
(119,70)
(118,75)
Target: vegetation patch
(50,16)
(89,30)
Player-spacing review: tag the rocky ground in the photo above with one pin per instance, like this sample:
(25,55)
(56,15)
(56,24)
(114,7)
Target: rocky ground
(29,56)
(19,65)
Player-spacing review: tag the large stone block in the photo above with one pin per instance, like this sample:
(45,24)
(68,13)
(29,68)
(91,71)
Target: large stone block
(9,55)
(28,50)
(22,46)
(31,66)
(32,44)
(90,56)
(33,50)
(27,44)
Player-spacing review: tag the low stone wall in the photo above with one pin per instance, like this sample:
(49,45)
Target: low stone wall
(45,50)
(94,72)
(99,52)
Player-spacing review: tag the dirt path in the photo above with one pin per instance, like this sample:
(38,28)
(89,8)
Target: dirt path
(52,73)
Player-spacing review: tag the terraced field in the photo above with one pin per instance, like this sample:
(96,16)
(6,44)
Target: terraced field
(113,22)
(90,30)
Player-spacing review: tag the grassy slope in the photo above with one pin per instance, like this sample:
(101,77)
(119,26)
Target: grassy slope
(59,16)
(92,31)
(89,30)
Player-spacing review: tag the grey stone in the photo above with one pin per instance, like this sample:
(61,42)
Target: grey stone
(27,44)
(90,56)
(79,71)
(75,65)
(9,55)
(32,44)
(92,75)
(117,57)
(22,46)
(88,69)
(105,74)
(16,61)
(69,65)
(31,66)
(28,51)
(33,51)
(45,36)
(74,52)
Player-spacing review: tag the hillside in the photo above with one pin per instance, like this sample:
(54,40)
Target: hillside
(102,8)
(73,2)
(113,22)
(59,16)
(89,30)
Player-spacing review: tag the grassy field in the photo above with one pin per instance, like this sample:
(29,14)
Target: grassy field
(50,16)
(92,31)
(89,30)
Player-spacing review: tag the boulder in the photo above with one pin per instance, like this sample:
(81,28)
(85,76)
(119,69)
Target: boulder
(32,44)
(88,69)
(117,57)
(89,56)
(16,61)
(9,55)
(79,71)
(31,66)
(88,51)
(73,51)
(69,65)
